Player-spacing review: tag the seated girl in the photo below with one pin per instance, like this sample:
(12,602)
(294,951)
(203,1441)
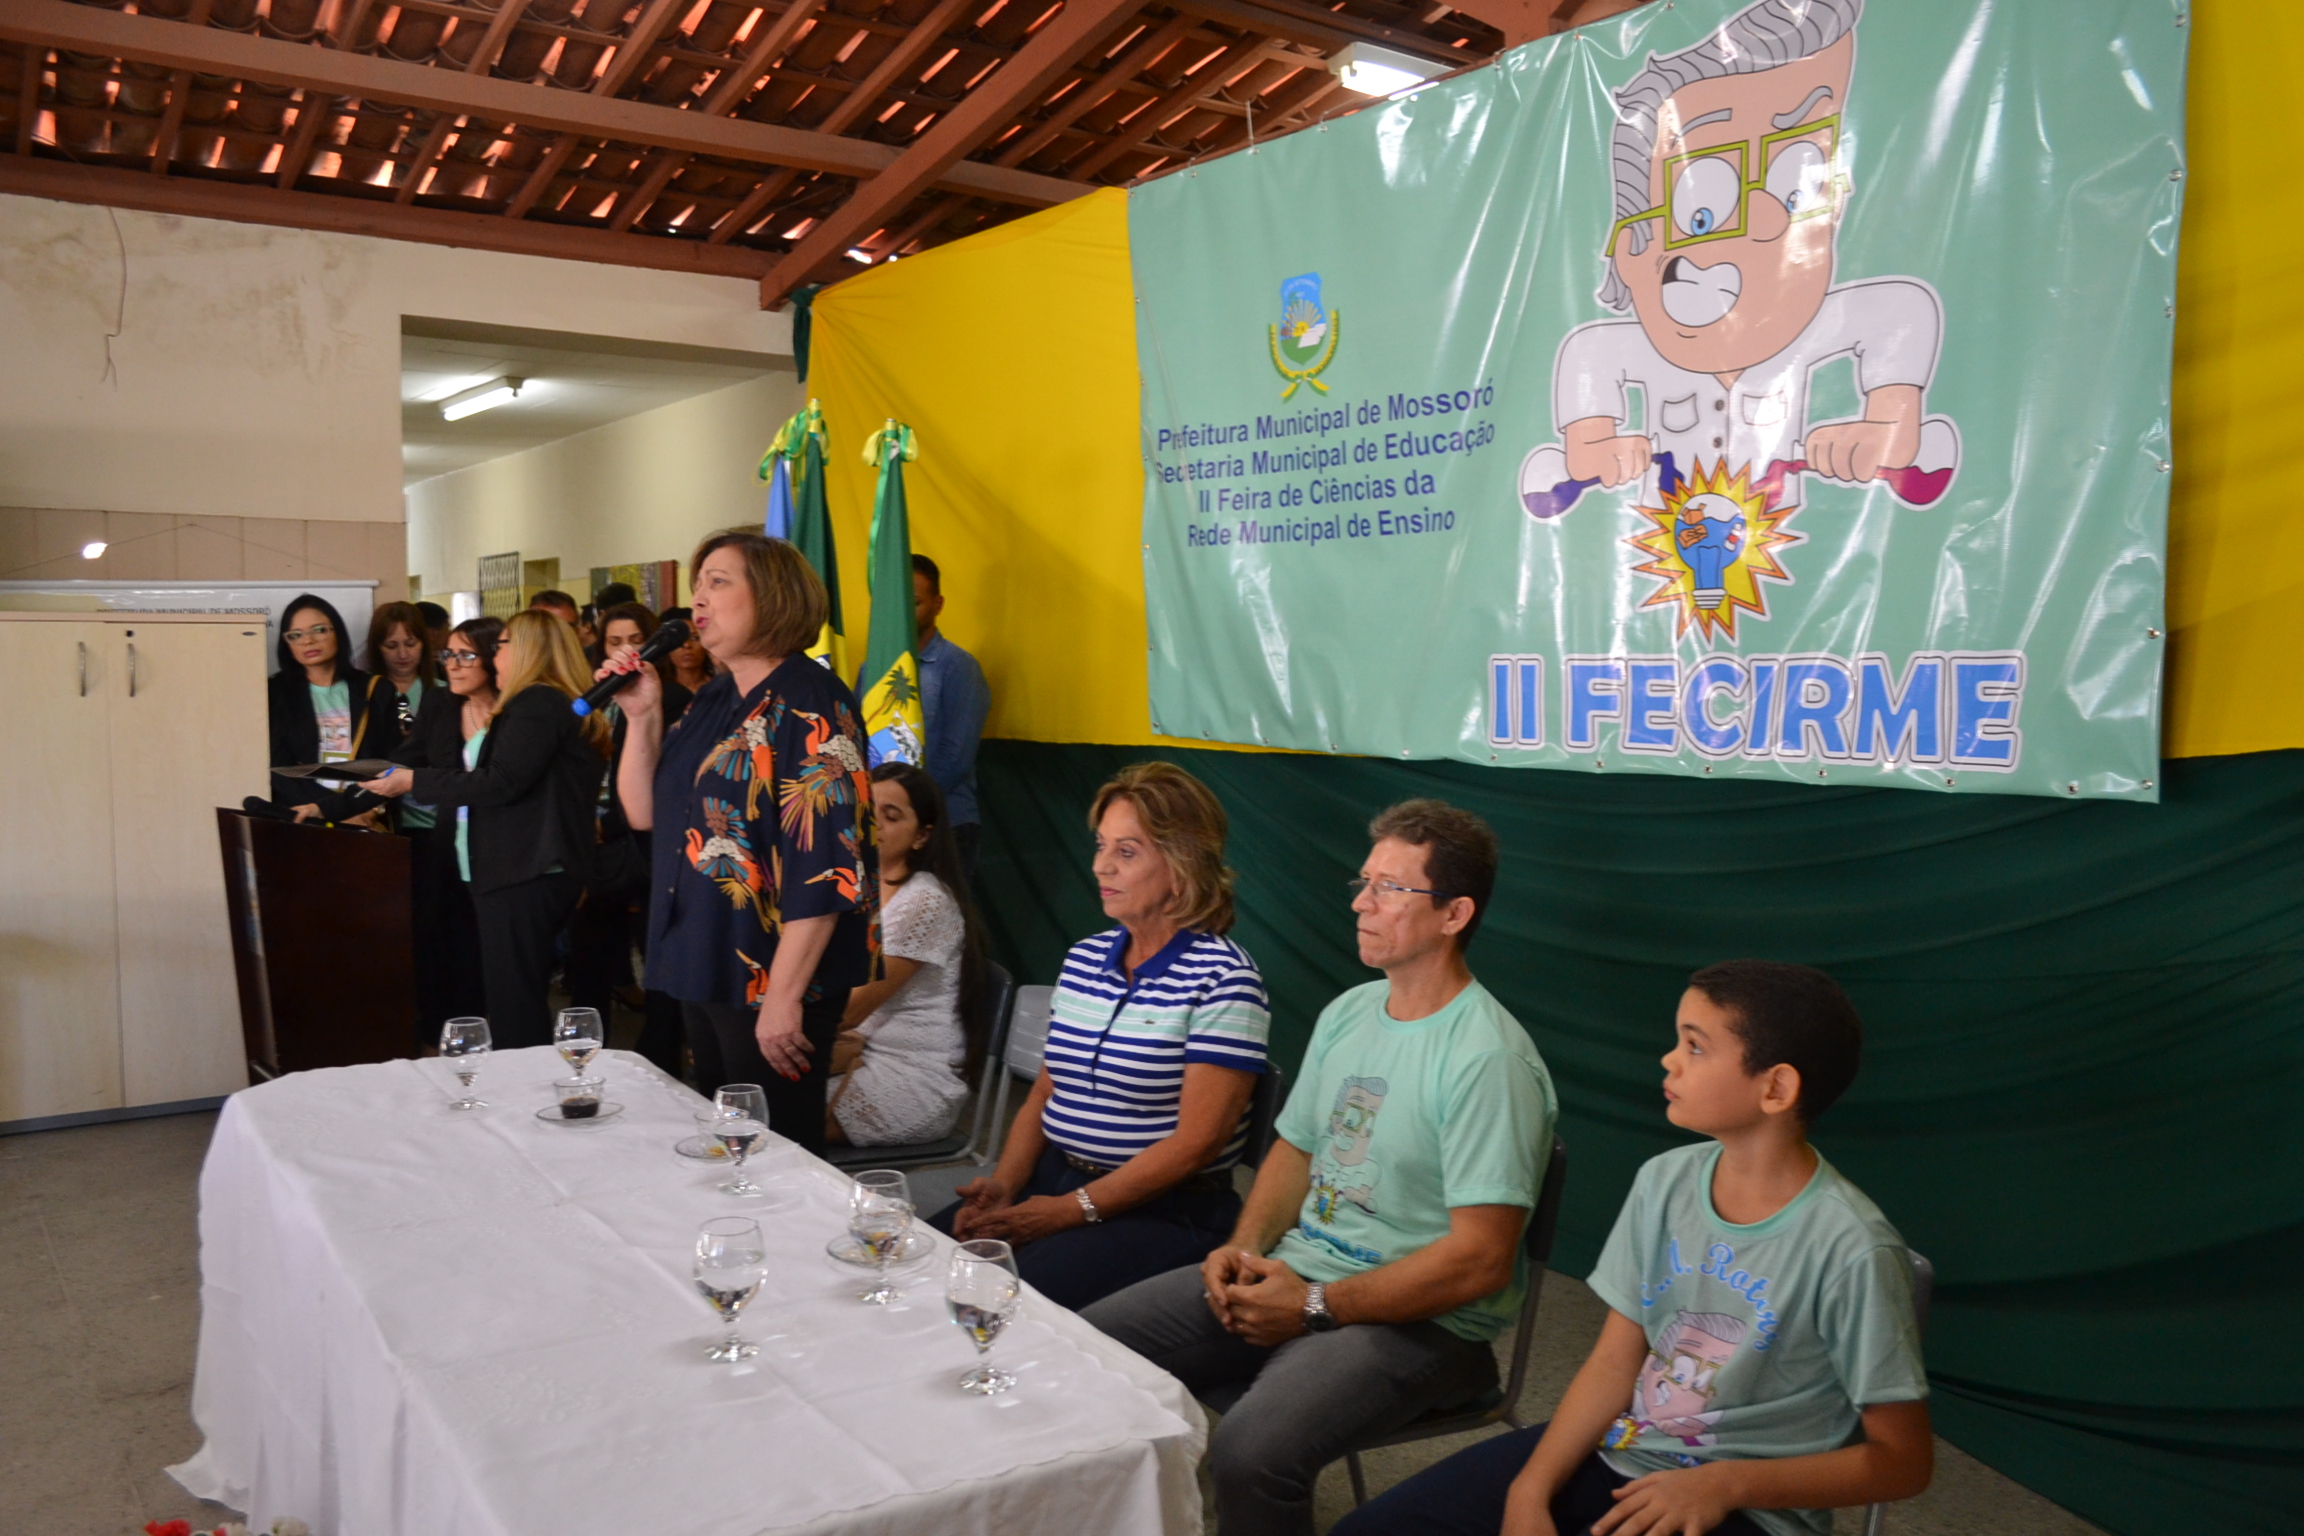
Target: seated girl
(896,1067)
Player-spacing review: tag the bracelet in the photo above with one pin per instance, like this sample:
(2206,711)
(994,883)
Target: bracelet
(1087,1206)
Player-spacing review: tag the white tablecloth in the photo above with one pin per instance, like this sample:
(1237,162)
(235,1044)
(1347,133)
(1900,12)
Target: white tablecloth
(429,1323)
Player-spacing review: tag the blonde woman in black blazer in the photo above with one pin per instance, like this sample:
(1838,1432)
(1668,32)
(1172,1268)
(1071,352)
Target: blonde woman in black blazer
(528,799)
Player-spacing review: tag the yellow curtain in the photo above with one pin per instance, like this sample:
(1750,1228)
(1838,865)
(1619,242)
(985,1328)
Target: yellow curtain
(1013,354)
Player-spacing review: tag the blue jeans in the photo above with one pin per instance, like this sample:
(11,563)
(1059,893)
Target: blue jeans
(1464,1496)
(1086,1264)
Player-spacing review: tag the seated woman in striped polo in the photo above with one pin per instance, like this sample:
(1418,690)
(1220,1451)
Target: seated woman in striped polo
(1119,1165)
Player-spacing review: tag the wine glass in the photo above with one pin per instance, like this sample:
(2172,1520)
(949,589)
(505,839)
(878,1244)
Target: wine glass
(738,1135)
(731,1263)
(580,1036)
(880,1218)
(463,1042)
(983,1289)
(745,1099)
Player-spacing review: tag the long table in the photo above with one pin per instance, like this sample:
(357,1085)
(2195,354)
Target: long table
(423,1322)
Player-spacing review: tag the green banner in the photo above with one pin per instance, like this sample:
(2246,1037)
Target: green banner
(1769,390)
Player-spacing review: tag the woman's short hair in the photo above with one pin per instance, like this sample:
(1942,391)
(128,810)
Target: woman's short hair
(1459,852)
(1186,822)
(409,617)
(633,612)
(545,655)
(342,663)
(789,604)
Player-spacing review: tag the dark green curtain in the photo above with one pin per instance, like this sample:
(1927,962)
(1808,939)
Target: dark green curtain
(2083,1083)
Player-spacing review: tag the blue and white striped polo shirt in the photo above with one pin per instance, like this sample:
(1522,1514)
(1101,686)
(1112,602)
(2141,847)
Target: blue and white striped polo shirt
(1117,1049)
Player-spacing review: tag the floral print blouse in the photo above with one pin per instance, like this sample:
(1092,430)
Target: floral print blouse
(763,817)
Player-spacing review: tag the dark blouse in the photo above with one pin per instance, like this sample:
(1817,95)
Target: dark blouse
(762,818)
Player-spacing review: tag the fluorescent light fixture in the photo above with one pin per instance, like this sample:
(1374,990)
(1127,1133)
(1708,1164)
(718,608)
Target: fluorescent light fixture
(1374,71)
(858,253)
(93,549)
(487,397)
(454,386)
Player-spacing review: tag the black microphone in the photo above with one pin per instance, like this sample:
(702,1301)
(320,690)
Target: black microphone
(669,637)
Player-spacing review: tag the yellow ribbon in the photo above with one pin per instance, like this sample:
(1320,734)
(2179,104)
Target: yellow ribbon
(895,438)
(791,441)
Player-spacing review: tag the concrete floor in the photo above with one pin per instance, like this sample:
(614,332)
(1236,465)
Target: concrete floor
(99,1312)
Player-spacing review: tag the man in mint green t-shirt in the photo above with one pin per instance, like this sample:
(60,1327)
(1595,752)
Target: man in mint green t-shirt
(1379,1253)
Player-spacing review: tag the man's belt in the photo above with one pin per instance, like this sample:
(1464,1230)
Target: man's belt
(1205,1180)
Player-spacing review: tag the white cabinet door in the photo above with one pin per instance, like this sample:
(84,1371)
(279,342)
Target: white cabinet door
(59,972)
(188,735)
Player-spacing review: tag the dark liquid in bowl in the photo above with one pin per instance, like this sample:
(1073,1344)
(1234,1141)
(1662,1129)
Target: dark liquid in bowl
(579,1109)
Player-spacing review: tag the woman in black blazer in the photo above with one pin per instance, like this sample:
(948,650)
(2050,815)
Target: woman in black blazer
(449,983)
(318,704)
(526,837)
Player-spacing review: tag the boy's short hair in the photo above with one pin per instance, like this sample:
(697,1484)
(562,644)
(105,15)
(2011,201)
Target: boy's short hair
(1794,1016)
(1459,853)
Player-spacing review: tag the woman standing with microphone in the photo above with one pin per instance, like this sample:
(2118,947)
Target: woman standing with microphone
(527,789)
(763,886)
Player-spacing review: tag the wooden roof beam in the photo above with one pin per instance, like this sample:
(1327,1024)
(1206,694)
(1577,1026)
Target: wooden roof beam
(1328,31)
(925,34)
(1056,47)
(632,53)
(210,50)
(1095,91)
(1242,55)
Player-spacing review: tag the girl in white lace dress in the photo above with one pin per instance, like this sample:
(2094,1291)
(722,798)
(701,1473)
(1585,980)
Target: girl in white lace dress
(898,1062)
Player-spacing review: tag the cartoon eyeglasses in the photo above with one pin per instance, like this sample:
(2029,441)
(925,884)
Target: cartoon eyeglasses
(1711,199)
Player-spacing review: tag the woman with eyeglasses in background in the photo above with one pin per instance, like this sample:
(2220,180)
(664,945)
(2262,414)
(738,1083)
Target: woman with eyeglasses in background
(446,929)
(318,704)
(601,935)
(525,793)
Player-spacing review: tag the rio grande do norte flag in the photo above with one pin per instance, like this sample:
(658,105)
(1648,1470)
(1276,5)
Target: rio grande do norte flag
(890,684)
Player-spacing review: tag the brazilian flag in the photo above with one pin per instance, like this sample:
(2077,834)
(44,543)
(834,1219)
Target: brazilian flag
(798,511)
(890,684)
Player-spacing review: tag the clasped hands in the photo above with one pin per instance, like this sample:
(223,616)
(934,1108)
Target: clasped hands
(1255,1298)
(989,1208)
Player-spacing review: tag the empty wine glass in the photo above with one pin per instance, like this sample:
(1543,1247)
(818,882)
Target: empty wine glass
(880,1218)
(983,1289)
(738,1135)
(464,1042)
(731,1263)
(580,1036)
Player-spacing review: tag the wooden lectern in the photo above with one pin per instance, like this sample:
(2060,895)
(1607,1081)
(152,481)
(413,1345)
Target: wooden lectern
(322,942)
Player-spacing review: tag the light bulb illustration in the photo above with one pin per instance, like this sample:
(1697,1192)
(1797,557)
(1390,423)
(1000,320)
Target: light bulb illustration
(1710,536)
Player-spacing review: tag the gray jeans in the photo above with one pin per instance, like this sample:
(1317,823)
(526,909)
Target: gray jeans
(1311,1399)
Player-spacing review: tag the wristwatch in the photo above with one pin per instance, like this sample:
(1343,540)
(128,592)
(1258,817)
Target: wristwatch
(1317,1317)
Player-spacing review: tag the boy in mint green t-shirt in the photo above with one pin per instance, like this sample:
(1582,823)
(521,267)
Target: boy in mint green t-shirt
(1760,1363)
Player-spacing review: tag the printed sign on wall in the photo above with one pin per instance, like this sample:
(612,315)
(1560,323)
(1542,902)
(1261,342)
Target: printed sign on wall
(1776,389)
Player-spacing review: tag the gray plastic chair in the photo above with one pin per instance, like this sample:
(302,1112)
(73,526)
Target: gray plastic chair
(1498,1405)
(999,989)
(1021,1046)
(1923,1288)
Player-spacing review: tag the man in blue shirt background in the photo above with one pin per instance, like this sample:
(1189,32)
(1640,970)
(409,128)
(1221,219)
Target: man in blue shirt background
(954,701)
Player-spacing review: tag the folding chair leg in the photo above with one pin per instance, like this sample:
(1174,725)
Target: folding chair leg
(1359,1482)
(1875,1520)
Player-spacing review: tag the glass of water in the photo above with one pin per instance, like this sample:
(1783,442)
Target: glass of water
(580,1036)
(880,1218)
(983,1290)
(731,1263)
(463,1043)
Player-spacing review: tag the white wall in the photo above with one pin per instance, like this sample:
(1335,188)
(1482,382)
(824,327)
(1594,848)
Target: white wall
(256,373)
(644,488)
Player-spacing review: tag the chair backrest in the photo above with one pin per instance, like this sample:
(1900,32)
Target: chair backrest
(1264,1113)
(1536,1243)
(1028,1030)
(998,999)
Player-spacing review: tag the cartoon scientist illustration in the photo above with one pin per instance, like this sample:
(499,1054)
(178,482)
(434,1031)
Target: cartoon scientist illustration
(1342,1172)
(1730,183)
(1674,1393)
